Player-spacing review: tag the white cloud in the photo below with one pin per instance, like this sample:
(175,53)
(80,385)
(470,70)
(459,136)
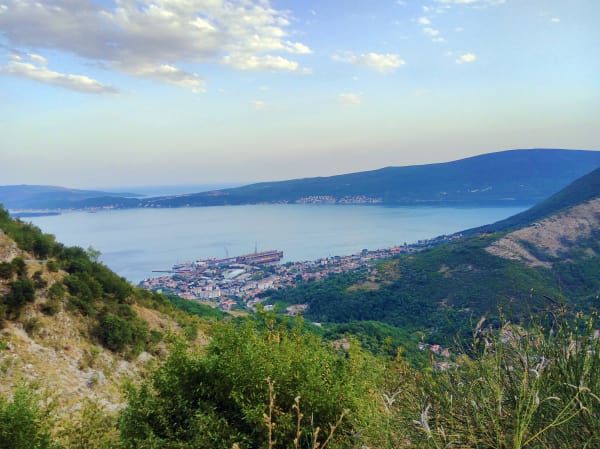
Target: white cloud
(36,70)
(260,63)
(555,20)
(38,59)
(431,31)
(260,105)
(168,74)
(424,21)
(382,63)
(349,99)
(153,38)
(297,47)
(438,40)
(465,58)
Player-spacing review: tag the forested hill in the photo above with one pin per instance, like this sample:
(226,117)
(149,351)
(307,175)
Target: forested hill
(507,176)
(554,253)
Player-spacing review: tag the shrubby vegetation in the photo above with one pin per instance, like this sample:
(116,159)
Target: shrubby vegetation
(258,384)
(87,286)
(263,384)
(24,424)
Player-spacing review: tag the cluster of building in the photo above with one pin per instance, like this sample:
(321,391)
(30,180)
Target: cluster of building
(239,281)
(328,199)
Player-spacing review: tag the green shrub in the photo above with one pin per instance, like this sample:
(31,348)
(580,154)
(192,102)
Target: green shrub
(118,334)
(258,387)
(50,307)
(6,270)
(23,424)
(22,291)
(38,281)
(32,326)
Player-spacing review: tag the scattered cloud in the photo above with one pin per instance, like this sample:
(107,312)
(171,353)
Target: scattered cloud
(438,40)
(382,63)
(432,32)
(424,21)
(38,59)
(465,58)
(168,74)
(35,68)
(260,63)
(155,38)
(555,20)
(260,105)
(349,99)
(459,29)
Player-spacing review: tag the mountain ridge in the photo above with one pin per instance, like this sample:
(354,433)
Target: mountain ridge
(505,177)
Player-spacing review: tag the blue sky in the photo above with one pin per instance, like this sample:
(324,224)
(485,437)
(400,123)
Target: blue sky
(99,93)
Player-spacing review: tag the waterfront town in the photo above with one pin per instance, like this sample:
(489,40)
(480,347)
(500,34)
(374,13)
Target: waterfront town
(237,282)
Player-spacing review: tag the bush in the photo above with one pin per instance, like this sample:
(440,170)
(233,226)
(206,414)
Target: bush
(257,387)
(6,270)
(38,280)
(23,424)
(22,291)
(118,334)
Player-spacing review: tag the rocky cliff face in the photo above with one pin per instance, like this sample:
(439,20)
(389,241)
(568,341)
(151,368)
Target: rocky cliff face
(552,237)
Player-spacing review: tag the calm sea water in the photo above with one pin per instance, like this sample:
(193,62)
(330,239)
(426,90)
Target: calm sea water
(135,242)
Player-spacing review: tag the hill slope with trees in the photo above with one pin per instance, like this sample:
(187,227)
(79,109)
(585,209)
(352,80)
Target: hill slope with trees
(446,289)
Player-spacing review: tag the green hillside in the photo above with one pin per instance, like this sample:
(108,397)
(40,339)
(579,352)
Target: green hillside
(446,289)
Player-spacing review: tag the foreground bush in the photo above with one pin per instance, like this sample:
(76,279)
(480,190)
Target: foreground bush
(23,423)
(257,387)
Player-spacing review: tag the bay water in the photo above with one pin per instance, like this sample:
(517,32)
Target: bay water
(134,242)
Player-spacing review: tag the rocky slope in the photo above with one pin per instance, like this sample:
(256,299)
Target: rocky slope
(57,351)
(552,236)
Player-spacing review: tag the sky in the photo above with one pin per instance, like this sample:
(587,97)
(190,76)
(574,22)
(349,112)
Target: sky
(104,93)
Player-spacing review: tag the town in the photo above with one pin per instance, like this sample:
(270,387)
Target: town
(237,282)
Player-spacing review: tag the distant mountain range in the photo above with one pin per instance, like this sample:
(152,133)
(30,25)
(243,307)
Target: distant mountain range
(525,176)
